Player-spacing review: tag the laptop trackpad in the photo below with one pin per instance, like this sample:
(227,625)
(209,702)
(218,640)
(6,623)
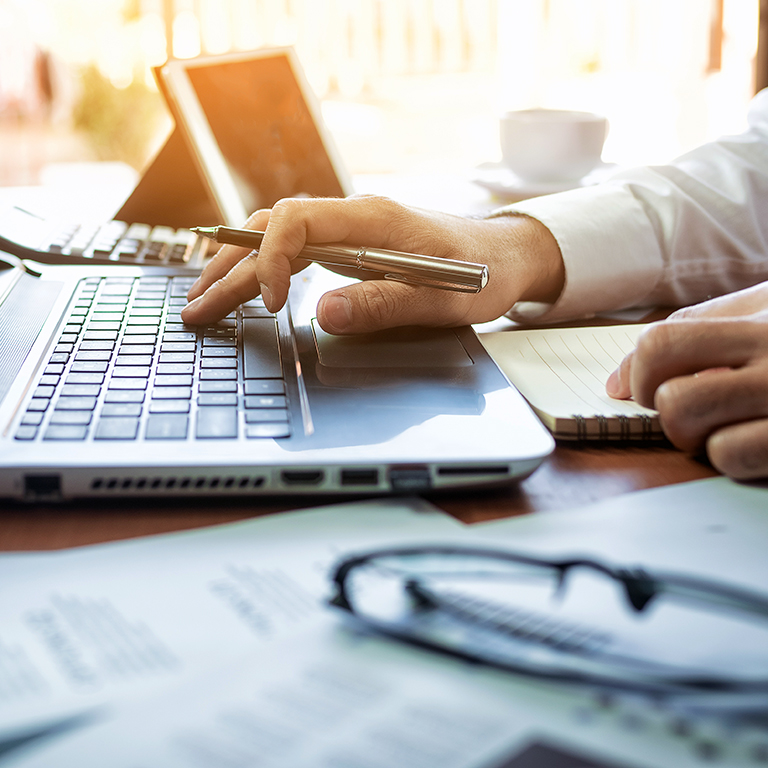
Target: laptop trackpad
(394,348)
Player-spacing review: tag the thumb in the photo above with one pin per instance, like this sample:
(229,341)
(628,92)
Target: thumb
(374,305)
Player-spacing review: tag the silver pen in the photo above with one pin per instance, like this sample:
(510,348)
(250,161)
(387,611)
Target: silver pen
(413,268)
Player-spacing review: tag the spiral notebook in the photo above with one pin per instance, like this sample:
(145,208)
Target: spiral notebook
(562,372)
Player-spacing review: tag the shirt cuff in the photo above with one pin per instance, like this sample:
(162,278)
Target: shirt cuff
(611,253)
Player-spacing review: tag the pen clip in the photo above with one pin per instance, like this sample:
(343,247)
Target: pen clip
(441,284)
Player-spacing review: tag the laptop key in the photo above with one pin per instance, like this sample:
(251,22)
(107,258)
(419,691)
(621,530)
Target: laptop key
(124,396)
(173,380)
(216,422)
(172,358)
(80,390)
(76,404)
(217,374)
(89,366)
(169,406)
(167,426)
(261,352)
(119,428)
(65,432)
(265,387)
(80,418)
(264,415)
(175,368)
(121,409)
(96,355)
(136,350)
(275,430)
(84,378)
(131,371)
(266,401)
(26,432)
(217,386)
(172,393)
(96,345)
(216,398)
(126,383)
(219,352)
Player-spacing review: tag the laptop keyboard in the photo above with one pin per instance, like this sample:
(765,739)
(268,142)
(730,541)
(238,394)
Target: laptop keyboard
(125,367)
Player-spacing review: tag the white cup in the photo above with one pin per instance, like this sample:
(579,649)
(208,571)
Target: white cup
(544,145)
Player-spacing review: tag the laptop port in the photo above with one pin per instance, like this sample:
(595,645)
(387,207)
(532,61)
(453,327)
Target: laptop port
(410,479)
(462,471)
(359,476)
(302,476)
(42,487)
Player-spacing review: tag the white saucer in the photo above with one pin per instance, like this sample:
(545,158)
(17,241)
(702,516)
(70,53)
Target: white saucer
(498,179)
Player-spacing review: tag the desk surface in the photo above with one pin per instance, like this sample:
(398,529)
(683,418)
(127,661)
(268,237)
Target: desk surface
(573,476)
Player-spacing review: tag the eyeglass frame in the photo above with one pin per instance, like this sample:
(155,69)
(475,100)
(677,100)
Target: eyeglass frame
(640,588)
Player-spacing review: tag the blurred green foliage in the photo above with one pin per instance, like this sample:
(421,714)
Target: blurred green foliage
(120,123)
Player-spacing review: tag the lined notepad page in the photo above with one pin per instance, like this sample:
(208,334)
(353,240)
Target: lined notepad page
(562,373)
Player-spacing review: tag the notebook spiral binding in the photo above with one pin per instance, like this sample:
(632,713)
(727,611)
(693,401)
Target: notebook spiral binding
(646,431)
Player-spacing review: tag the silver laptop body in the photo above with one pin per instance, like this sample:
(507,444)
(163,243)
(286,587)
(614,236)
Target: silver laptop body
(104,392)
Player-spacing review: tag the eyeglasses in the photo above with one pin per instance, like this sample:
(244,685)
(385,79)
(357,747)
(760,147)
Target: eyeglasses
(575,620)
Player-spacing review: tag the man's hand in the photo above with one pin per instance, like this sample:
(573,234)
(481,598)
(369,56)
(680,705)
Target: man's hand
(705,369)
(522,256)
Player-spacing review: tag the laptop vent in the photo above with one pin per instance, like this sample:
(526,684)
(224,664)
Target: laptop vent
(158,485)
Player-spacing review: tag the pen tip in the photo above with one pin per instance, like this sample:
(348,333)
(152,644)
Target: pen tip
(209,232)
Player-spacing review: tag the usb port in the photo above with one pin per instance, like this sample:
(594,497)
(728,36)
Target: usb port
(359,476)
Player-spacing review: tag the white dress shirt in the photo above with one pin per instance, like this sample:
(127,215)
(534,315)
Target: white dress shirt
(668,235)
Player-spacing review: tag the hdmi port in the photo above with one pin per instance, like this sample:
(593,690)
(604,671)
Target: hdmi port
(302,476)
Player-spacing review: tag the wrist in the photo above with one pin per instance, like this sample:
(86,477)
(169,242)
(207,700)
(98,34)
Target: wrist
(535,262)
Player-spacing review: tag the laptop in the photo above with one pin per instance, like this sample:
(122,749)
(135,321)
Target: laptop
(105,392)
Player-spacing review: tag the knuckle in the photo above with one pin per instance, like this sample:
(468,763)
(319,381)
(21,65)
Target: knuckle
(236,287)
(682,424)
(376,303)
(653,338)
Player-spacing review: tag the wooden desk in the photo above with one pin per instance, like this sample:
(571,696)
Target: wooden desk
(573,476)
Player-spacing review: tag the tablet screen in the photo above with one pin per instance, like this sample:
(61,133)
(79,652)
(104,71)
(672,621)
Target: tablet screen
(264,128)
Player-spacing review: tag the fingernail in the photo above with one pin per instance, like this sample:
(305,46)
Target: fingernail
(613,384)
(266,295)
(337,312)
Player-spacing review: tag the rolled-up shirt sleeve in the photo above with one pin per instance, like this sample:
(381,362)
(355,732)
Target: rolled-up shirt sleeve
(668,235)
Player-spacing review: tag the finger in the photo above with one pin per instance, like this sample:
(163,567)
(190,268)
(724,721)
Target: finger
(618,383)
(693,407)
(377,304)
(741,450)
(226,258)
(239,284)
(745,302)
(683,347)
(366,220)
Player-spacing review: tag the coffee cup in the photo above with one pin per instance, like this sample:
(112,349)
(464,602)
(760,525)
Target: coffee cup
(549,145)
